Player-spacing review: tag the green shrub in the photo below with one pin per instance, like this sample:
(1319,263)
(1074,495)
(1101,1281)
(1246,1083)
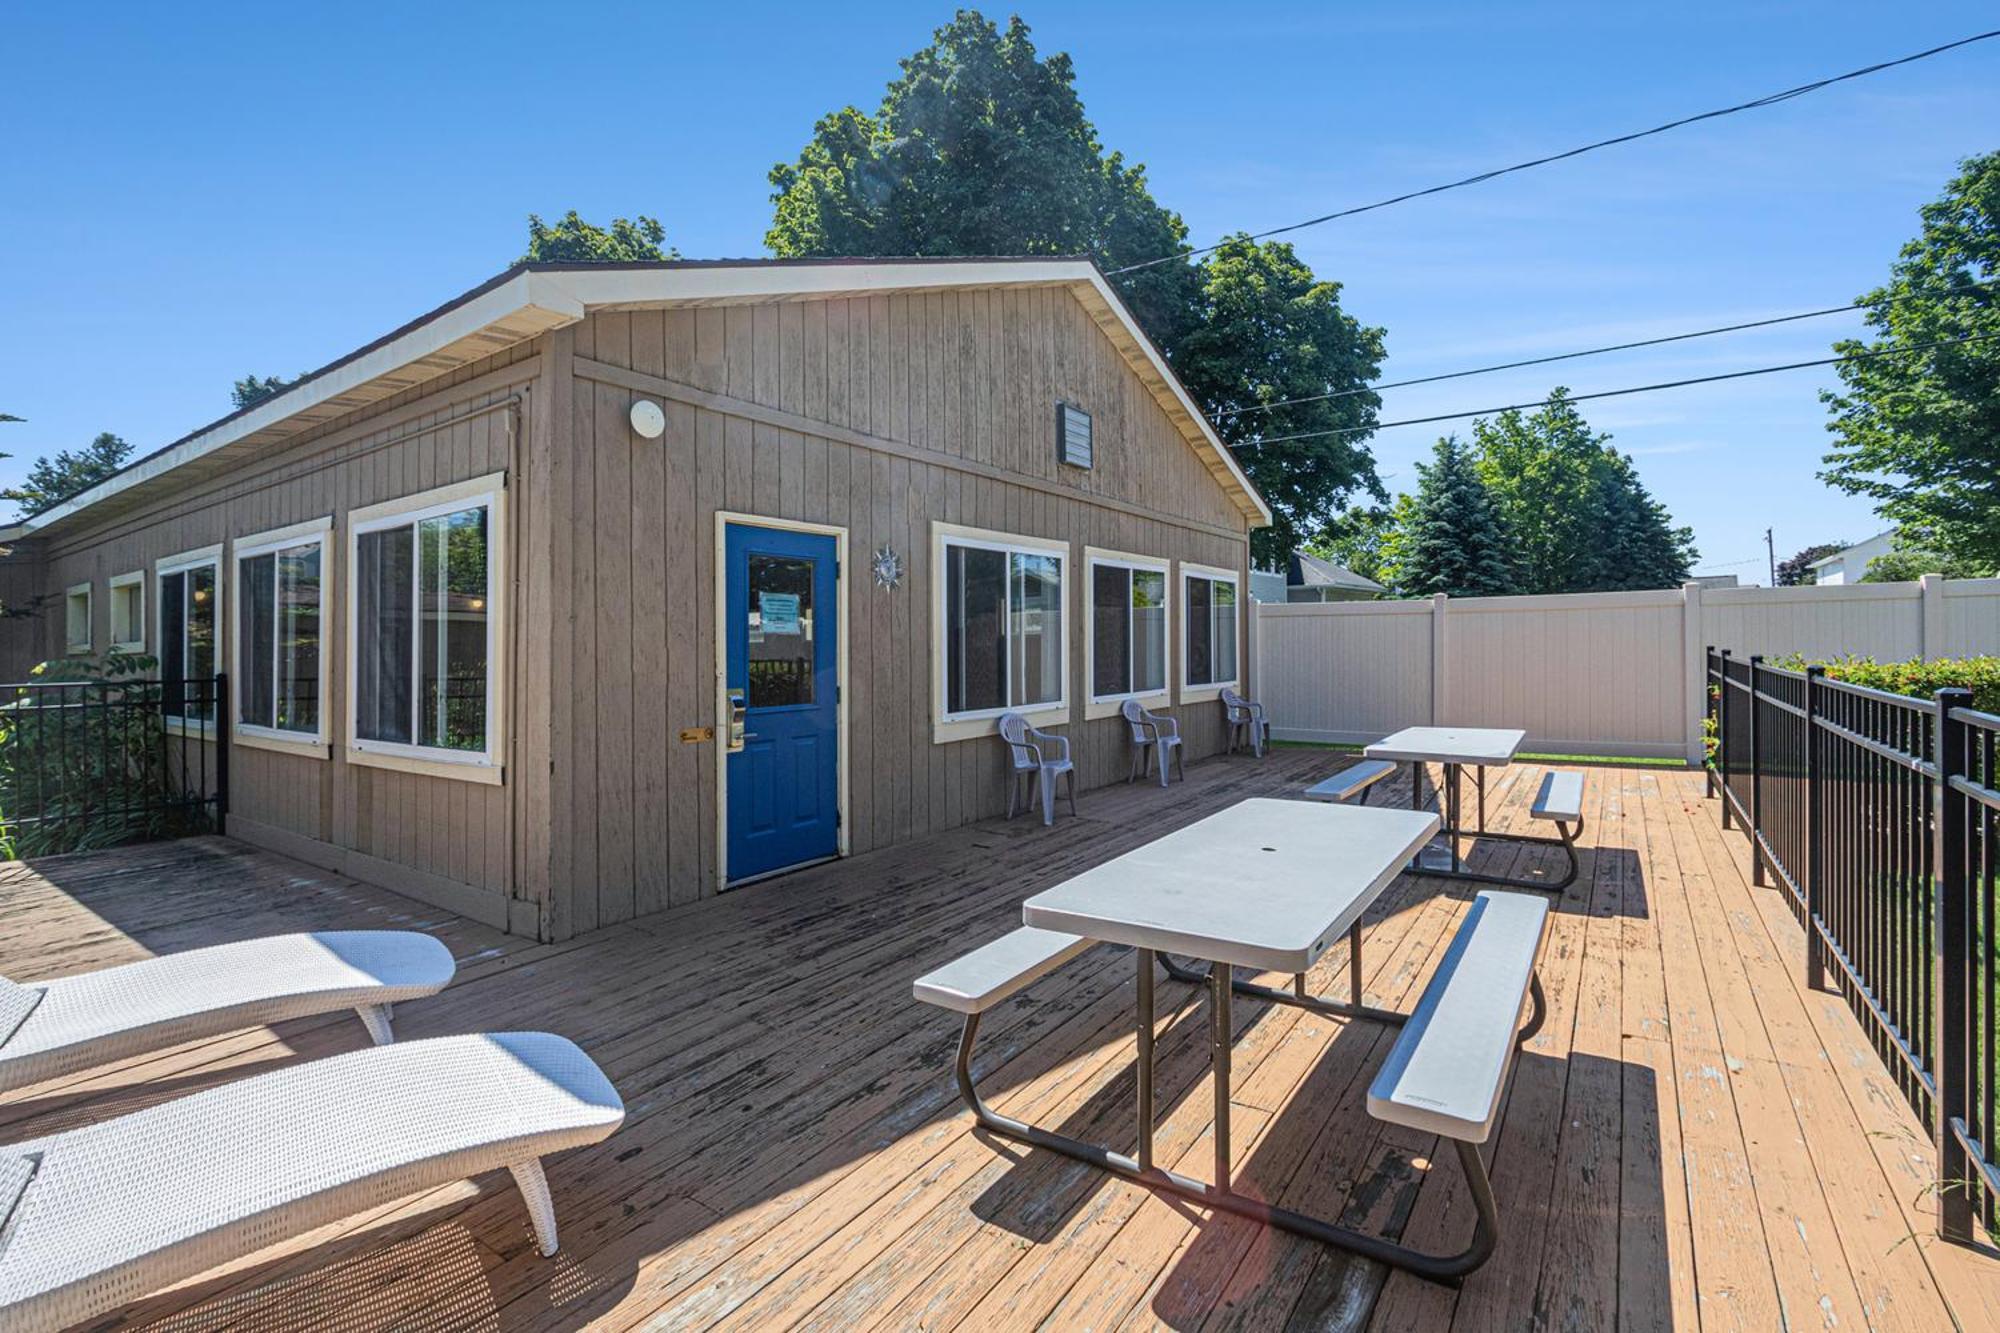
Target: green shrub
(107,760)
(1919,679)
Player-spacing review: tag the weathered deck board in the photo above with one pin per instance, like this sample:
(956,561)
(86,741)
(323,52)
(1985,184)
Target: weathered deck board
(1694,1140)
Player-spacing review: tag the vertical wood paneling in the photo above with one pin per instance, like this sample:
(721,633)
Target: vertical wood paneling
(457,835)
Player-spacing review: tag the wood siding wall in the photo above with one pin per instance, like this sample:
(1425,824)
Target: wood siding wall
(22,585)
(442,840)
(877,415)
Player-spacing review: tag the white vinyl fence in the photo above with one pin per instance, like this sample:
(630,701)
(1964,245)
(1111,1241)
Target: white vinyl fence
(1595,673)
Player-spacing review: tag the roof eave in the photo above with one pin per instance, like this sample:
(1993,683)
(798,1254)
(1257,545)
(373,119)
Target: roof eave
(531,299)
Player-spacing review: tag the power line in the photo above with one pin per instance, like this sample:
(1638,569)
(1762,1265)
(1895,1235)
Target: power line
(1615,347)
(1771,99)
(1617,393)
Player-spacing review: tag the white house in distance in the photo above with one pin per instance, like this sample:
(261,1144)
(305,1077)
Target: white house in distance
(1847,566)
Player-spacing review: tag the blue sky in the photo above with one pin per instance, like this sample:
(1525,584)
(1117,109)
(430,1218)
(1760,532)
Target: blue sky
(193,194)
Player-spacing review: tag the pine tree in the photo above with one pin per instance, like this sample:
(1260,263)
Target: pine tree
(59,476)
(1454,540)
(1637,546)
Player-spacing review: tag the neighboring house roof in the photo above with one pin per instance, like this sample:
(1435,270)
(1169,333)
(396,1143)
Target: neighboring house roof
(1873,546)
(1310,571)
(528,300)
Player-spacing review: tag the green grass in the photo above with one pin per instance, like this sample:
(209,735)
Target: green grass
(1605,760)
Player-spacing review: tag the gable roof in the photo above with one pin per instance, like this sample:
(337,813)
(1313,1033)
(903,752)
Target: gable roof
(1311,571)
(530,299)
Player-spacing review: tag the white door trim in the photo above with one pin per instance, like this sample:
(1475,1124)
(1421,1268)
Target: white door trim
(723,520)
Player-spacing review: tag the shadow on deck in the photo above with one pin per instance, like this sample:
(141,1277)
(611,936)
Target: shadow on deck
(1693,1137)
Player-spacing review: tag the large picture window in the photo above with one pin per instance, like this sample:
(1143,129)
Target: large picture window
(1210,639)
(423,600)
(190,602)
(1128,627)
(280,673)
(1000,611)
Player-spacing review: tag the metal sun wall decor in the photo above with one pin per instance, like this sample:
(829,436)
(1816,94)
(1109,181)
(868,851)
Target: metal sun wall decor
(888,568)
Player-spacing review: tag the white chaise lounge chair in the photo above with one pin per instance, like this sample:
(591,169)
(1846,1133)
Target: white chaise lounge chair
(103,1215)
(51,1028)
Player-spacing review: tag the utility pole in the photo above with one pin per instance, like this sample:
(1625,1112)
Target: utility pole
(1771,552)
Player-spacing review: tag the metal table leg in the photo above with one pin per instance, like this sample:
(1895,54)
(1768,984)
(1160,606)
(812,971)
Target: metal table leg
(1296,997)
(1451,814)
(1219,1194)
(1145,1059)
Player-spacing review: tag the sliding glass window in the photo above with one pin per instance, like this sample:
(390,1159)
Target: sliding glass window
(1001,625)
(423,603)
(280,657)
(1128,628)
(189,595)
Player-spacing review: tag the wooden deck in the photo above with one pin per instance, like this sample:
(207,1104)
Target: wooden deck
(1693,1139)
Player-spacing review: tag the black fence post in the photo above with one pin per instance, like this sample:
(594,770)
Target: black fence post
(1815,946)
(222,732)
(1708,762)
(1722,729)
(1952,969)
(1756,776)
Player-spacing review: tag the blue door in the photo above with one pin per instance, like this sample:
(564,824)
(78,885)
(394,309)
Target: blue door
(783,687)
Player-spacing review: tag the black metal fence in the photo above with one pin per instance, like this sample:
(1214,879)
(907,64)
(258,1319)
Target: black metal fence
(1877,814)
(96,763)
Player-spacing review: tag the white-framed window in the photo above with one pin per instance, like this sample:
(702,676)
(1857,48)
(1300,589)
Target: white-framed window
(188,598)
(1126,649)
(279,673)
(425,605)
(1209,650)
(999,610)
(77,636)
(128,612)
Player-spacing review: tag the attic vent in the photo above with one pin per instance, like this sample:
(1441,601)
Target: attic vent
(1072,435)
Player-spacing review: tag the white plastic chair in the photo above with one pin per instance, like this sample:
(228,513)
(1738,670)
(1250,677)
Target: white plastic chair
(1245,714)
(1040,756)
(1152,733)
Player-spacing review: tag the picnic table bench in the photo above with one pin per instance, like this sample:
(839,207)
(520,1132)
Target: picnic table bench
(1299,876)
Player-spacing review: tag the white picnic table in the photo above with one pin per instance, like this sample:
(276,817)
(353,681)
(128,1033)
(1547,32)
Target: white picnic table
(1265,884)
(1456,749)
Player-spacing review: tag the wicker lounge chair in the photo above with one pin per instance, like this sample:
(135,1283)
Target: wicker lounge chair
(57,1027)
(95,1218)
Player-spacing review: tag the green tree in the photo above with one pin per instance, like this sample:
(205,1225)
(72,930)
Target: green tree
(1635,543)
(1455,540)
(1267,331)
(254,389)
(1797,572)
(1540,470)
(1365,540)
(1920,434)
(1583,520)
(59,476)
(575,241)
(981,147)
(1907,564)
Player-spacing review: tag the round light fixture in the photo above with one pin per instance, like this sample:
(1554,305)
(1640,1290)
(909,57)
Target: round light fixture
(648,420)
